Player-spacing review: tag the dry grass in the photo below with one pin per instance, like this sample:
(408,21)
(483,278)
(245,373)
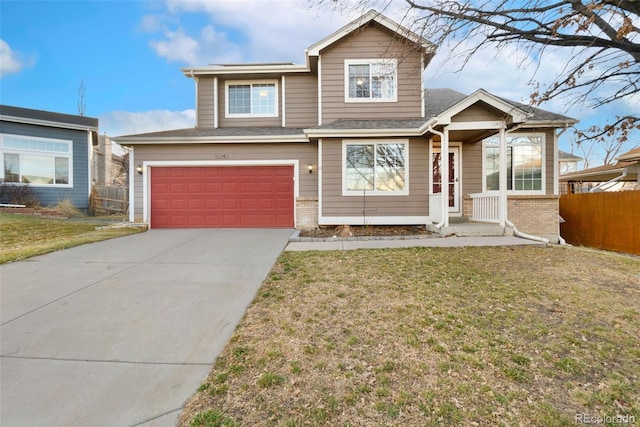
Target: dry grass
(460,336)
(23,236)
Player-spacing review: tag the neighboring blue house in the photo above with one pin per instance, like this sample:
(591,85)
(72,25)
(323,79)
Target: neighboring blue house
(49,151)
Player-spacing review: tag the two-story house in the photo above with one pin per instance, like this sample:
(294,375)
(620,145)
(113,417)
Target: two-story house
(350,137)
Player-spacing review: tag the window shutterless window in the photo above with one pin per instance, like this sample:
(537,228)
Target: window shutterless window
(371,80)
(375,168)
(252,99)
(524,163)
(36,161)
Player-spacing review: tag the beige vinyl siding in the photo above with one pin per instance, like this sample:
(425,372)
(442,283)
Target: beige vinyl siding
(472,173)
(370,42)
(301,104)
(413,204)
(247,121)
(477,113)
(549,160)
(305,153)
(205,102)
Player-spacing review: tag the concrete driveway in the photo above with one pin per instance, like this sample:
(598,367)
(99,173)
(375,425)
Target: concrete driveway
(122,332)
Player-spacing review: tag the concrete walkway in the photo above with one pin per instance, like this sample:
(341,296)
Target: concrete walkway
(431,242)
(122,332)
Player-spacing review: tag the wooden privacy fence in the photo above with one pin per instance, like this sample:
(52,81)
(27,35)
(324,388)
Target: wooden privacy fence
(608,220)
(107,199)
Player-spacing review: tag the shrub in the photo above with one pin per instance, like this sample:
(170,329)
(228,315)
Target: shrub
(18,194)
(67,208)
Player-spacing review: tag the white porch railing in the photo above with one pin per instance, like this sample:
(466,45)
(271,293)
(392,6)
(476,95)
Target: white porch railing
(485,207)
(435,207)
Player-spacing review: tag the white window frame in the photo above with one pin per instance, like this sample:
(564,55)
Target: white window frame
(370,62)
(36,152)
(375,142)
(249,83)
(543,183)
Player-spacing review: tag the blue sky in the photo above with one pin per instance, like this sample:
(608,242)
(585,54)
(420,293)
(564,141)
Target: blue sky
(129,55)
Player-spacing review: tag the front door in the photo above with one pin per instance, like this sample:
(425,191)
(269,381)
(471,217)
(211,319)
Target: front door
(454,176)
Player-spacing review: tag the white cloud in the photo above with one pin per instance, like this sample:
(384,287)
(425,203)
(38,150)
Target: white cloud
(116,123)
(243,31)
(151,23)
(177,46)
(280,30)
(12,61)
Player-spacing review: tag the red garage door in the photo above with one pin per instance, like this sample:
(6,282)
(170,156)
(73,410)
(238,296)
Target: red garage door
(234,196)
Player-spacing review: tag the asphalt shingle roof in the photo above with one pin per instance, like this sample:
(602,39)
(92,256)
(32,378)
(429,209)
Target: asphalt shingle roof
(220,132)
(436,102)
(49,116)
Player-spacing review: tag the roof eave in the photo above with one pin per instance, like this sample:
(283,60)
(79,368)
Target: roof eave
(49,123)
(242,139)
(550,123)
(372,15)
(365,133)
(630,156)
(258,69)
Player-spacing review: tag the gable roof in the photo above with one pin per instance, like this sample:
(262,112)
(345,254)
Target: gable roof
(47,118)
(437,102)
(371,16)
(482,95)
(564,156)
(443,101)
(314,50)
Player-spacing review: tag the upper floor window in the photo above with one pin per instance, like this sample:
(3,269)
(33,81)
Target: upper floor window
(371,80)
(36,161)
(525,169)
(252,99)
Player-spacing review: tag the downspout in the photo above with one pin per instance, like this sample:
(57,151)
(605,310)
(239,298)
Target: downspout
(517,232)
(441,135)
(525,235)
(556,171)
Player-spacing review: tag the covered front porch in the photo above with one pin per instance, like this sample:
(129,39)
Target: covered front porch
(483,186)
(483,219)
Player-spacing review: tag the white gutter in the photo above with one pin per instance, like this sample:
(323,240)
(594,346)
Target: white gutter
(600,187)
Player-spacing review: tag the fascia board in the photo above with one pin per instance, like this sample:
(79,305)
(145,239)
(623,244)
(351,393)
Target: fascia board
(210,140)
(549,123)
(518,114)
(355,133)
(328,133)
(372,15)
(633,155)
(48,123)
(259,69)
(579,175)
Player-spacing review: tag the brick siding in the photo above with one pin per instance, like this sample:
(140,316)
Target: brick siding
(536,215)
(306,213)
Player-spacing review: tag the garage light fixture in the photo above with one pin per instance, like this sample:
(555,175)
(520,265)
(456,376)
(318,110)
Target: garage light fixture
(310,168)
(139,169)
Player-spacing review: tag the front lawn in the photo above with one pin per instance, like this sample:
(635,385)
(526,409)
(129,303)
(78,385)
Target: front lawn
(526,336)
(24,236)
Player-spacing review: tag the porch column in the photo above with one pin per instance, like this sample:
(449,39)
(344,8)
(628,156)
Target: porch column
(502,205)
(444,171)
